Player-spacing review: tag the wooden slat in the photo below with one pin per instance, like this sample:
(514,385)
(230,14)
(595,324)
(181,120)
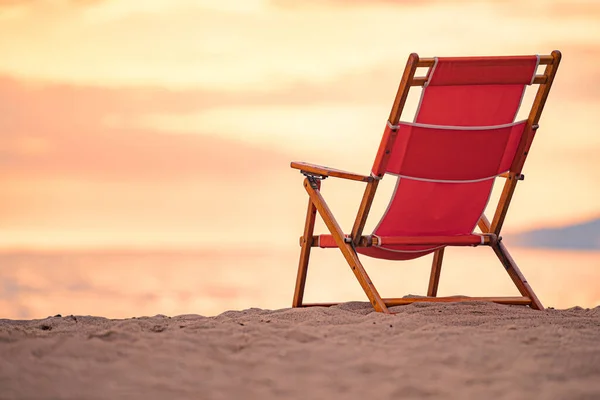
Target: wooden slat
(418,81)
(452,299)
(536,111)
(525,144)
(511,267)
(515,274)
(327,171)
(367,241)
(403,88)
(518,300)
(483,224)
(547,59)
(426,62)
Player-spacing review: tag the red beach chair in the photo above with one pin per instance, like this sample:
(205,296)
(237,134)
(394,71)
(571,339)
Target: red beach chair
(463,137)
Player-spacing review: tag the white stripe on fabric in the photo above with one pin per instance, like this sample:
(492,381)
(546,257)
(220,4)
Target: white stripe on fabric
(456,128)
(389,124)
(414,178)
(408,251)
(380,246)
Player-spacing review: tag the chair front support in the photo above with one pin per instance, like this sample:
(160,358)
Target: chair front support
(346,248)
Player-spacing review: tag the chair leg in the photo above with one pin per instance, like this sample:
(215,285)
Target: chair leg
(515,274)
(346,248)
(436,269)
(363,278)
(309,227)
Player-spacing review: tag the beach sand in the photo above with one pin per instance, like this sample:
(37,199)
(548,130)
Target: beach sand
(446,351)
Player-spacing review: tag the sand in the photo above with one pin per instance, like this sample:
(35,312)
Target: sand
(433,351)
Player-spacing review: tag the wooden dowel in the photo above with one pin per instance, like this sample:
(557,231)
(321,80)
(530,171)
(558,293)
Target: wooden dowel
(547,59)
(425,62)
(367,241)
(451,299)
(517,300)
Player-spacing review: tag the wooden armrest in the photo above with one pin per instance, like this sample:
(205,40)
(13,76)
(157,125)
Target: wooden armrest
(326,171)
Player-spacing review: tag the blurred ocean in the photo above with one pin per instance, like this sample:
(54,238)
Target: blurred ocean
(118,284)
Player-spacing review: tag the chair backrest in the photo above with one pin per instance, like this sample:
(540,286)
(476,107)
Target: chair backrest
(463,136)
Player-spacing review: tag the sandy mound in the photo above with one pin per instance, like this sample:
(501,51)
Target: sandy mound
(466,350)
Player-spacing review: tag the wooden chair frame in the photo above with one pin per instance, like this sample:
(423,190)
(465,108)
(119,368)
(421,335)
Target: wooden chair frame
(491,230)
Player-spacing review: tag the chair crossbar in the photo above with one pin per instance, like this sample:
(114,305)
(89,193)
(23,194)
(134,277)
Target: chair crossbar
(372,240)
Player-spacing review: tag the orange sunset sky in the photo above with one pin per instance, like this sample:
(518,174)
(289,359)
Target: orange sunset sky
(163,123)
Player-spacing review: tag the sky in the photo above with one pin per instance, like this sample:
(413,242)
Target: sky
(162,123)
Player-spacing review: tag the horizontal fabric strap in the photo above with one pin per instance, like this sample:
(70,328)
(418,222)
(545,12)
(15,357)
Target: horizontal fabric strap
(327,241)
(461,71)
(443,153)
(456,240)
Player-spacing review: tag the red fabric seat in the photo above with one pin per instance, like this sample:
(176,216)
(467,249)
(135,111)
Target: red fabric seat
(463,136)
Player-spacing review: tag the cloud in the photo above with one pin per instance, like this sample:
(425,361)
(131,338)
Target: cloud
(79,167)
(44,4)
(578,76)
(65,131)
(349,3)
(185,44)
(570,9)
(71,177)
